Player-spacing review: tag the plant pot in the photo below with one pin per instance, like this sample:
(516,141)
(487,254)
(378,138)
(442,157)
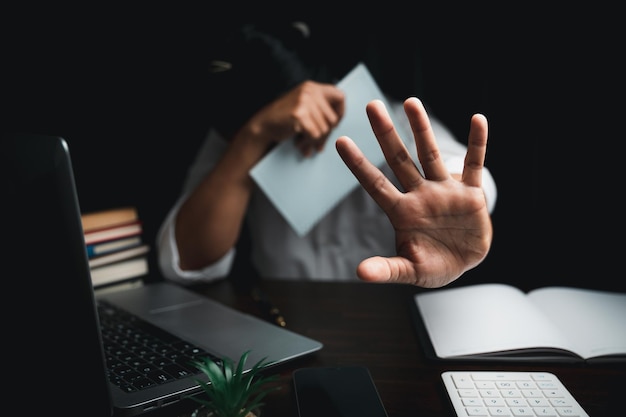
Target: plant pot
(202,411)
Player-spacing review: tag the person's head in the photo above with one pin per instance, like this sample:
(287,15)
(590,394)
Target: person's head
(252,64)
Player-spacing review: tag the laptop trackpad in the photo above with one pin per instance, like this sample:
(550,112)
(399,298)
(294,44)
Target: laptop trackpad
(215,327)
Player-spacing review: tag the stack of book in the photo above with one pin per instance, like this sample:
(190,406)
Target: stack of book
(115,247)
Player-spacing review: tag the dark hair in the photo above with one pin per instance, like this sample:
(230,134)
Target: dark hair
(252,64)
(252,67)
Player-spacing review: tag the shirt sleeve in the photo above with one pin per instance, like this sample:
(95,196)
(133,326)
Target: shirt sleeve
(167,249)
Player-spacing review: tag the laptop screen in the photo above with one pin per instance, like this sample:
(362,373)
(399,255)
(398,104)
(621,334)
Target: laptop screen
(52,335)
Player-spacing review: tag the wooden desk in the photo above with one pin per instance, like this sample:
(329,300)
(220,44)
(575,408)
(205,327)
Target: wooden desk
(370,325)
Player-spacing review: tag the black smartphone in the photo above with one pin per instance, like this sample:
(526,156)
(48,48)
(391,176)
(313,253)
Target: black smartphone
(345,391)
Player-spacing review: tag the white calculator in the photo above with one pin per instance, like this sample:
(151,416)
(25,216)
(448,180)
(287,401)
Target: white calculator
(485,393)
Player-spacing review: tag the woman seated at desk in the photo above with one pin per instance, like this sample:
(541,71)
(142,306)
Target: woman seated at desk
(271,85)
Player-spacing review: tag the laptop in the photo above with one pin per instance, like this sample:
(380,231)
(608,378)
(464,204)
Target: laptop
(53,336)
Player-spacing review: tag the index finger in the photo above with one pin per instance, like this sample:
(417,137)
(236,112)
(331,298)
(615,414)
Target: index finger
(377,185)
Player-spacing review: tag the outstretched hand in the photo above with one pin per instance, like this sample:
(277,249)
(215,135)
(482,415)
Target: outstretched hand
(443,226)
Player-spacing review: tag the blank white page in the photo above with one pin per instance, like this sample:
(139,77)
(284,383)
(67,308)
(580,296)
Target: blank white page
(485,318)
(594,321)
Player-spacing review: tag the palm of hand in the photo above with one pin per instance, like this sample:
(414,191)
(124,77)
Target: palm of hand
(443,228)
(442,223)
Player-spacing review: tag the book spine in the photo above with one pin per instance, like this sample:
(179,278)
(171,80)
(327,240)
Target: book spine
(119,271)
(118,256)
(115,245)
(107,218)
(134,229)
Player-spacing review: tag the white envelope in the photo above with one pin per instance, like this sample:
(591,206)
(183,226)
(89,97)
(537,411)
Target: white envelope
(303,189)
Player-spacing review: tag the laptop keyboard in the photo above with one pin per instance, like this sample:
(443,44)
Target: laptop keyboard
(140,355)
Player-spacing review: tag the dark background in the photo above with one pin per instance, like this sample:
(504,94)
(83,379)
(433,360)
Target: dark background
(127,90)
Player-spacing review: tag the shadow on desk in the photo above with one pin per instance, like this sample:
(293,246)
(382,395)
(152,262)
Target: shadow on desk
(371,325)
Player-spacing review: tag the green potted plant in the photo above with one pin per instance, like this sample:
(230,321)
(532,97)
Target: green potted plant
(230,392)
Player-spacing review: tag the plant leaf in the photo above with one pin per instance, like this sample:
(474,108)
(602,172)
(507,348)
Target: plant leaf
(230,391)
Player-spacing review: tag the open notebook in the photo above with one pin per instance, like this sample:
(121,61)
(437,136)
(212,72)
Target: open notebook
(52,327)
(499,322)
